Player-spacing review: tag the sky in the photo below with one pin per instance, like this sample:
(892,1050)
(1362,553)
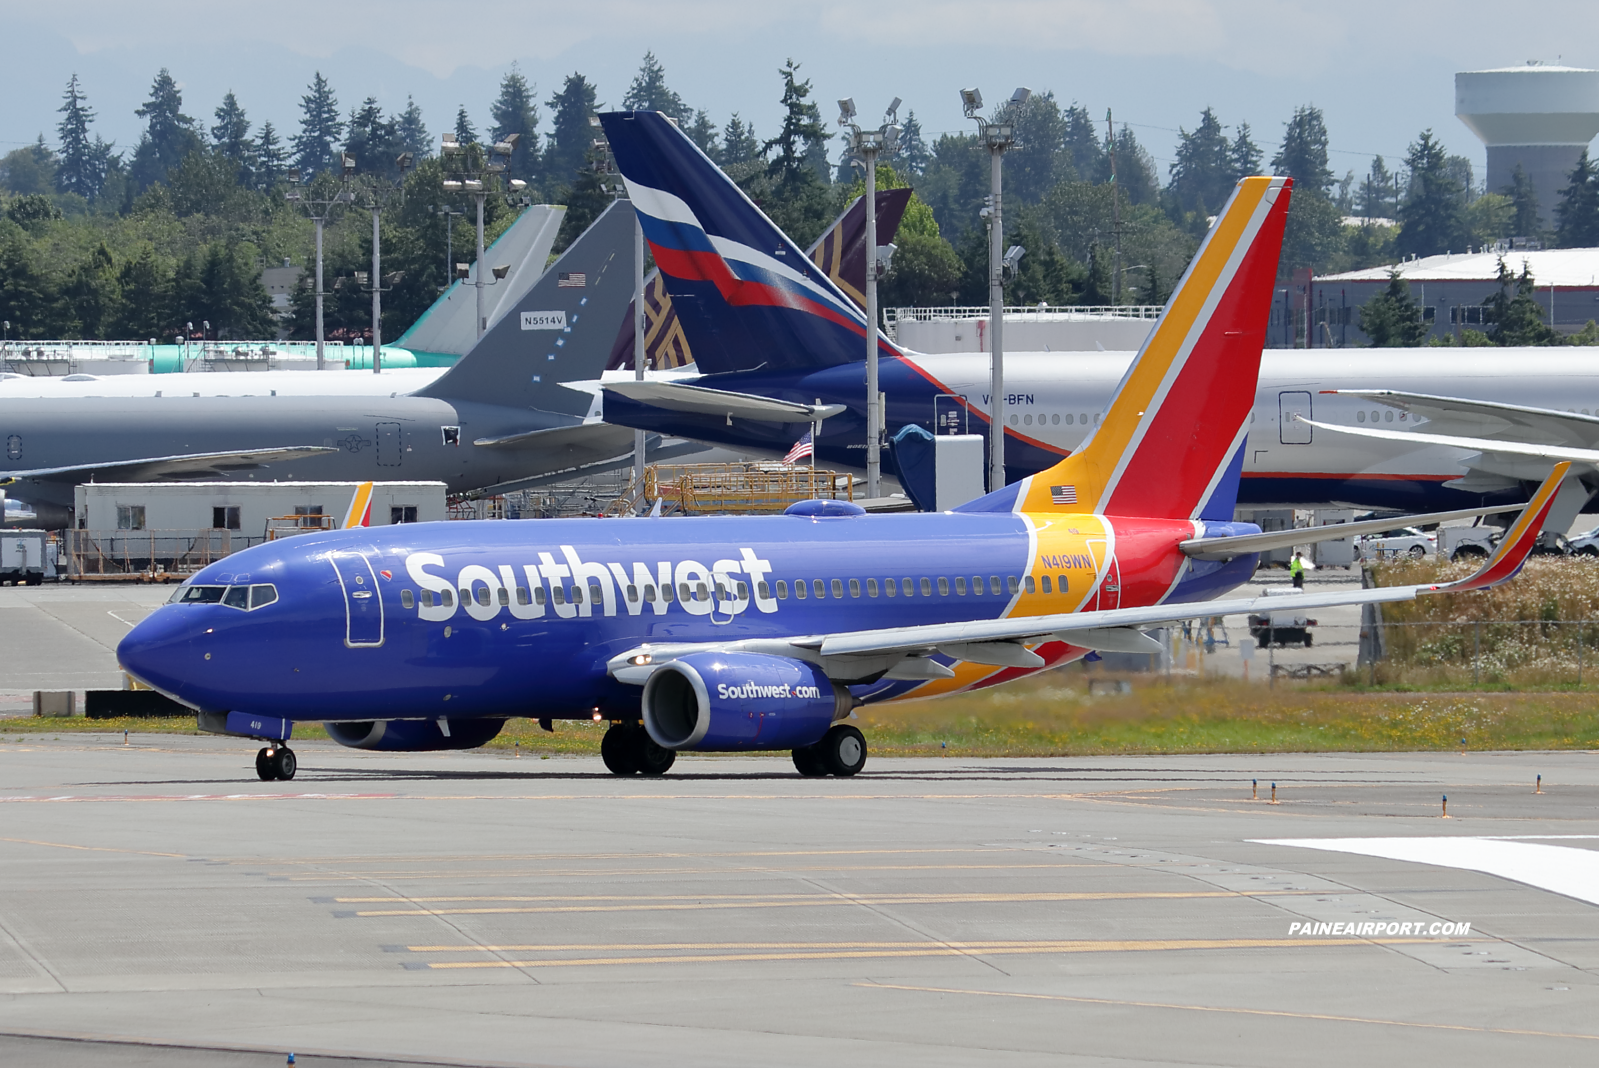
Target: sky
(1381,71)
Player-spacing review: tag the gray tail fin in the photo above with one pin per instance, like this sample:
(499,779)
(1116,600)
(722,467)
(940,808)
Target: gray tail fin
(561,331)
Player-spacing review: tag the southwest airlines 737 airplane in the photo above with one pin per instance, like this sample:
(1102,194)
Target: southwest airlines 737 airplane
(764,632)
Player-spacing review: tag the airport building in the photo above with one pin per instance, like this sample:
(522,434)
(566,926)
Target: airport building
(1451,290)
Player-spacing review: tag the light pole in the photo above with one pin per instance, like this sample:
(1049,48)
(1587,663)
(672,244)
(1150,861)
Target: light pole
(382,192)
(996,136)
(868,145)
(450,215)
(319,209)
(477,173)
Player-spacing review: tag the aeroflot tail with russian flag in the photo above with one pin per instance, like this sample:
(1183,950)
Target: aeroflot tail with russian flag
(746,633)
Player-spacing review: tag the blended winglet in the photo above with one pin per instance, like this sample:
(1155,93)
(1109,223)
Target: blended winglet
(1519,540)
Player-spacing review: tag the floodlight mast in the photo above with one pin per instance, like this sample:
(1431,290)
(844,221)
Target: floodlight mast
(997,135)
(478,180)
(868,145)
(318,210)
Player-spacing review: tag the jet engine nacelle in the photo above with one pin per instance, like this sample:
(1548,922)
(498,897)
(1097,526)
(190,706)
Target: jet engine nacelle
(415,735)
(733,701)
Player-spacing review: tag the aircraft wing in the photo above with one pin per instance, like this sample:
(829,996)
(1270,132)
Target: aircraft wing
(183,465)
(903,652)
(1483,445)
(680,397)
(1459,417)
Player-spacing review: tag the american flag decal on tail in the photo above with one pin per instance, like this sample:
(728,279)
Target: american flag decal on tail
(1063,494)
(571,280)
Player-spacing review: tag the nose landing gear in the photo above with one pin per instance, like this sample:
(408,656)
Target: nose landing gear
(276,762)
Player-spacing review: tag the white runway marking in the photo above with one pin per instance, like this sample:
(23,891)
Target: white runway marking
(1562,869)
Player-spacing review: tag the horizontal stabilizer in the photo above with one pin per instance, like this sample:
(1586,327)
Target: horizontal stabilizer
(1237,545)
(679,397)
(183,465)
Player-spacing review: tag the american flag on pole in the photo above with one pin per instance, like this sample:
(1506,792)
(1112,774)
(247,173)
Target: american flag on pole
(571,280)
(802,448)
(1063,494)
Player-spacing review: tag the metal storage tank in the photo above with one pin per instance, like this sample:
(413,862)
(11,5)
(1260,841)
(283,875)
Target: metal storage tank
(1539,116)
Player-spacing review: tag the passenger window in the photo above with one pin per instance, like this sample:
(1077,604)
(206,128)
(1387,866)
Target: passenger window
(1068,420)
(237,597)
(943,586)
(782,589)
(427,598)
(800,589)
(906,587)
(1011,584)
(927,587)
(407,599)
(483,597)
(818,588)
(649,593)
(466,595)
(993,584)
(539,596)
(960,585)
(577,594)
(838,588)
(977,585)
(559,593)
(522,596)
(763,590)
(1028,582)
(632,593)
(263,595)
(1044,584)
(891,587)
(667,592)
(744,591)
(871,587)
(1055,419)
(447,598)
(703,591)
(1061,582)
(505,596)
(854,587)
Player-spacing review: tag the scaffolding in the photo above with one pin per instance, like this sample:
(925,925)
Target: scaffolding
(730,489)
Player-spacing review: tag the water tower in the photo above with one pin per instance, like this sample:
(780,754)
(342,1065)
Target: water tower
(1541,117)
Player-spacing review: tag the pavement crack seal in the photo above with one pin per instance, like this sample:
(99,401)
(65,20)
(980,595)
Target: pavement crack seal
(1280,1013)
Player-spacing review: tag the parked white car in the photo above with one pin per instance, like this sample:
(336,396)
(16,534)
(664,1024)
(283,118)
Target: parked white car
(1586,543)
(1401,541)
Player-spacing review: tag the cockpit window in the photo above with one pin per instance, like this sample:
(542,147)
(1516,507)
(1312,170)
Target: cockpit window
(244,598)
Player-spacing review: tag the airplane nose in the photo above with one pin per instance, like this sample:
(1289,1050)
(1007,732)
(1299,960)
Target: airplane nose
(160,650)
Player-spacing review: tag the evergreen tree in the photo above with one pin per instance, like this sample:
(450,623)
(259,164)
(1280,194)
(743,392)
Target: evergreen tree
(649,92)
(1459,169)
(1376,199)
(1519,319)
(1393,319)
(374,142)
(702,131)
(169,134)
(1303,153)
(231,136)
(320,128)
(1245,154)
(802,129)
(465,132)
(1432,217)
(1346,196)
(516,112)
(1039,159)
(586,200)
(1202,178)
(1084,146)
(81,168)
(412,132)
(92,295)
(1135,169)
(1577,214)
(272,159)
(1524,203)
(146,307)
(25,297)
(739,143)
(567,151)
(913,156)
(29,170)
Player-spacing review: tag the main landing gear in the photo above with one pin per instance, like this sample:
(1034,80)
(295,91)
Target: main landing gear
(276,762)
(842,752)
(628,749)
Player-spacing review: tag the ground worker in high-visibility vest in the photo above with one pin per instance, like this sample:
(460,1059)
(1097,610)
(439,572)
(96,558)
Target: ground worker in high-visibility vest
(1296,568)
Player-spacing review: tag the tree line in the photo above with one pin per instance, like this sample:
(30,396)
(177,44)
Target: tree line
(98,241)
